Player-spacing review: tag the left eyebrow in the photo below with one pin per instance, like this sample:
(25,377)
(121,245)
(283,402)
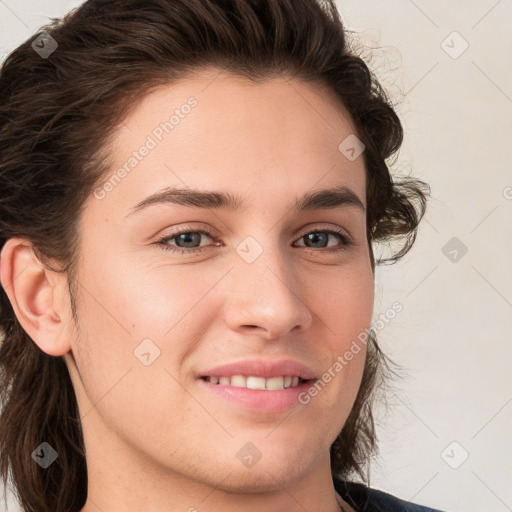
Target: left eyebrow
(336,197)
(324,199)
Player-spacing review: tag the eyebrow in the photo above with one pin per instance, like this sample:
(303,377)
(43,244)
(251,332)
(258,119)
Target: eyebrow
(331,198)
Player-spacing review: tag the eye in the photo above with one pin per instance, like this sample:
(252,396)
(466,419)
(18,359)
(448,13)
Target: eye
(187,240)
(321,236)
(187,237)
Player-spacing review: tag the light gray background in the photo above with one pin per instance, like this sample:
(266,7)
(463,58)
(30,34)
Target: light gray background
(454,333)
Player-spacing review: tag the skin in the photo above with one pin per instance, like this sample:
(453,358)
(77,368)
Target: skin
(155,440)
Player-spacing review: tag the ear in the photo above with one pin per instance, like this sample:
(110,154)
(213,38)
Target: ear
(36,295)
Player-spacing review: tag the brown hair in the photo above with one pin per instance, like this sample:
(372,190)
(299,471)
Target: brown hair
(56,114)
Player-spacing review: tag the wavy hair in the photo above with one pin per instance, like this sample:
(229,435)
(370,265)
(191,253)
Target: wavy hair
(56,116)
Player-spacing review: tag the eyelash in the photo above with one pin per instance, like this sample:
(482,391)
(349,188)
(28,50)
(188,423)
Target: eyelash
(346,243)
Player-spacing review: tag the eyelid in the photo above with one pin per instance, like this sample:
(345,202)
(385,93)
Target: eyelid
(210,231)
(323,227)
(190,229)
(346,239)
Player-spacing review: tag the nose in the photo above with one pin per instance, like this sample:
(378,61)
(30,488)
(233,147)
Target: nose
(265,297)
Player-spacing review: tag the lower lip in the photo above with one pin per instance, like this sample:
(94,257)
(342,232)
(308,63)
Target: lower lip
(258,399)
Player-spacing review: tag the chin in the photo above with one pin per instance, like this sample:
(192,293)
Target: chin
(271,477)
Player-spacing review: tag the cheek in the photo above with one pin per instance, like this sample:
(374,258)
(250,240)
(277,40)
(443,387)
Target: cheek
(131,344)
(141,317)
(343,302)
(141,301)
(343,310)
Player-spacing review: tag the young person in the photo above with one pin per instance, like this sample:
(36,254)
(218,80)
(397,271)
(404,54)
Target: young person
(190,192)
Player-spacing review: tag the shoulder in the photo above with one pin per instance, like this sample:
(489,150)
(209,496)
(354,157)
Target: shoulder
(366,499)
(384,501)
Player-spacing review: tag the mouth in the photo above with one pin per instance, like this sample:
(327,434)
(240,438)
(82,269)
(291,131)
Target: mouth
(259,395)
(255,382)
(258,385)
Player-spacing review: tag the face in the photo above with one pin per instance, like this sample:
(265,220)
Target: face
(262,286)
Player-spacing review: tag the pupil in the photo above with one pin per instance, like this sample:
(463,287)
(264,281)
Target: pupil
(188,235)
(314,237)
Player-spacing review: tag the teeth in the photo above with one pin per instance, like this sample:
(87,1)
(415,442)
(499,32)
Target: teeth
(275,383)
(251,382)
(256,382)
(239,381)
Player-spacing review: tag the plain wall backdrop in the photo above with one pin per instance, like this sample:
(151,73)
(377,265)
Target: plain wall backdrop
(445,439)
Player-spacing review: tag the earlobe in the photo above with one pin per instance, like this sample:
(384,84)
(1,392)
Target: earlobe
(32,290)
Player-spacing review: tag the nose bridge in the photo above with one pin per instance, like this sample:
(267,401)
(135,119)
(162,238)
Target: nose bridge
(264,290)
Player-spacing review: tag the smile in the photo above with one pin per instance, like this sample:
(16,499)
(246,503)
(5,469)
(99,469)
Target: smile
(253,382)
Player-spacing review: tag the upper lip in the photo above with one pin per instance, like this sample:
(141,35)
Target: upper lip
(262,368)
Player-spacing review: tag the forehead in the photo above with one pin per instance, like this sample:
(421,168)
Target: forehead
(213,130)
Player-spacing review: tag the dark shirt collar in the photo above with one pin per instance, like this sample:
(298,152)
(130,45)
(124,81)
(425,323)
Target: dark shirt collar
(364,499)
